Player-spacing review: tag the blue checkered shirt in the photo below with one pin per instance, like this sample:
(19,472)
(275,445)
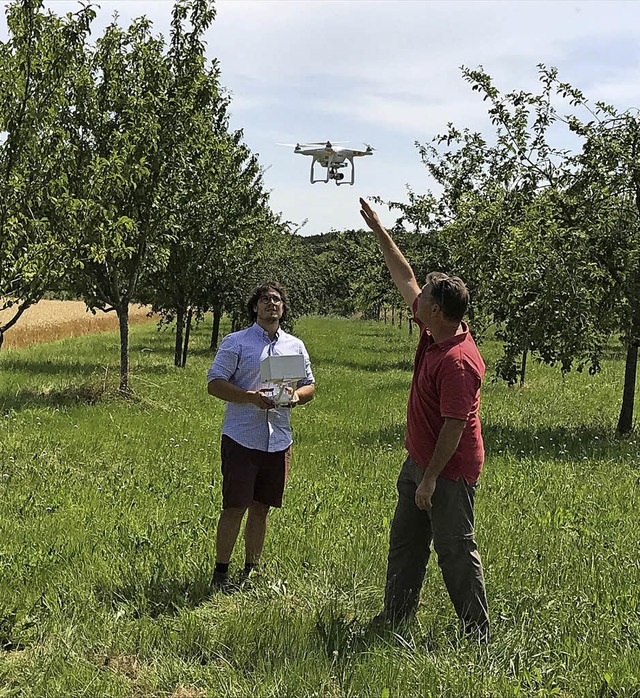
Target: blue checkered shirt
(238,361)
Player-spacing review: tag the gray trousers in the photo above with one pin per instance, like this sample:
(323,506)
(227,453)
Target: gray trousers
(449,525)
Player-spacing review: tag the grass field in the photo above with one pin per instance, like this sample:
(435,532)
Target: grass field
(108,508)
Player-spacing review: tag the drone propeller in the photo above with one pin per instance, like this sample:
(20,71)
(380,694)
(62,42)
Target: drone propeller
(369,147)
(289,145)
(322,142)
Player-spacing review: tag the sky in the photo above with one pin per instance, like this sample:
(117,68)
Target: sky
(387,73)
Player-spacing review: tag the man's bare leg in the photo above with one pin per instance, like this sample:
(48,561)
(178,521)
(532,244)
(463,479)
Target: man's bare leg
(255,532)
(227,533)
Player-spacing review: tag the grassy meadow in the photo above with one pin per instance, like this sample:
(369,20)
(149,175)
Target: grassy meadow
(108,508)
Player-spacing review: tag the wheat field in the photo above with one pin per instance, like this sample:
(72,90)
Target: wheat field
(49,320)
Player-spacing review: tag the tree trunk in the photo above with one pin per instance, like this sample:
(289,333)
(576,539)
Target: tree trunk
(8,325)
(523,367)
(625,421)
(393,316)
(187,332)
(410,326)
(123,321)
(215,330)
(385,314)
(400,314)
(177,352)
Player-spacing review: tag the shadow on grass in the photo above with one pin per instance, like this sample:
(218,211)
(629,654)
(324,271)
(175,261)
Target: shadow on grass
(388,434)
(51,367)
(552,443)
(373,365)
(87,383)
(381,331)
(545,443)
(86,368)
(341,637)
(614,353)
(8,623)
(157,349)
(160,596)
(69,396)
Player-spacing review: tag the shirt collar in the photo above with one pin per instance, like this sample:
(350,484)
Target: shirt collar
(450,341)
(261,332)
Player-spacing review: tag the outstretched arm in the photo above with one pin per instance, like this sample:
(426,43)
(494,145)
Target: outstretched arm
(401,272)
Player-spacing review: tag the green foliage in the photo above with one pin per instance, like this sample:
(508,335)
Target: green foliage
(108,508)
(121,150)
(37,68)
(121,179)
(212,198)
(348,276)
(328,266)
(275,255)
(546,239)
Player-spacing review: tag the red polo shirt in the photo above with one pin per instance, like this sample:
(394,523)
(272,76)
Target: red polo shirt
(446,383)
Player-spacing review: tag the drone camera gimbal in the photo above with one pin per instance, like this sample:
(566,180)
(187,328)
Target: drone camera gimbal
(333,166)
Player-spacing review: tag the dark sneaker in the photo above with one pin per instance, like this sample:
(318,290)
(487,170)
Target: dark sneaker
(474,631)
(221,582)
(251,576)
(380,621)
(385,621)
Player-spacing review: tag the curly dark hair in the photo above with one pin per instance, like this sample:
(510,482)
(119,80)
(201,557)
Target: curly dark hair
(264,288)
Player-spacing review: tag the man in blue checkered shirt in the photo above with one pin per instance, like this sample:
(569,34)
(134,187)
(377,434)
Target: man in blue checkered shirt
(256,433)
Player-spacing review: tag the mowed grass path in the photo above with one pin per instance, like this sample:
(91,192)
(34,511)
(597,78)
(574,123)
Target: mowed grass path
(108,509)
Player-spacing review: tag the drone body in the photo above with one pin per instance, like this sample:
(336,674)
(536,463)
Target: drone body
(333,158)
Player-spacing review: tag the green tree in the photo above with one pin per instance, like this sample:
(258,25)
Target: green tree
(196,123)
(605,193)
(38,66)
(276,255)
(502,222)
(547,237)
(120,154)
(224,221)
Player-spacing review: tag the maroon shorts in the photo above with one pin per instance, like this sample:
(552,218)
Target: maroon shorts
(250,475)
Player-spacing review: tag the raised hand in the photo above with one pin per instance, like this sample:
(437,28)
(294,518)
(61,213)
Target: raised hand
(370,216)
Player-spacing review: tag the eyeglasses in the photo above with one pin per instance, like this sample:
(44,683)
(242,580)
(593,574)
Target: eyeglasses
(276,300)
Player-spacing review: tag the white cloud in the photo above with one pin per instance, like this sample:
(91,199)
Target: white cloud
(625,93)
(415,117)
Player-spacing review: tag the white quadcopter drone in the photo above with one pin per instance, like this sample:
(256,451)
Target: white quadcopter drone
(332,157)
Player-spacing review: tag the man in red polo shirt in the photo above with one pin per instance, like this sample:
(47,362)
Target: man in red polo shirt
(437,482)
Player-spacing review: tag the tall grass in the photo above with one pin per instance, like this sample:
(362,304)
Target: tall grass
(108,510)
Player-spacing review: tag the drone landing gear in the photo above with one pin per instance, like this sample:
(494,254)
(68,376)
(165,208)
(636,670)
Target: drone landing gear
(333,172)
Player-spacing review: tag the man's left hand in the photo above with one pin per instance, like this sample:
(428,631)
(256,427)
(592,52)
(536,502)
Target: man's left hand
(295,399)
(424,492)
